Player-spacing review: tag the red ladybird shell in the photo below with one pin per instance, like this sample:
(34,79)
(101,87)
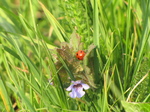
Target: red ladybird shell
(80,55)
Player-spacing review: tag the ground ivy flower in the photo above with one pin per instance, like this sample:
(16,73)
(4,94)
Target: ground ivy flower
(77,89)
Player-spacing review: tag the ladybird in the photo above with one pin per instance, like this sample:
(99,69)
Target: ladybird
(80,55)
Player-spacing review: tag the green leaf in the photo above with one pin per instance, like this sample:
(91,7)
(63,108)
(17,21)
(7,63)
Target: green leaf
(75,41)
(136,107)
(10,51)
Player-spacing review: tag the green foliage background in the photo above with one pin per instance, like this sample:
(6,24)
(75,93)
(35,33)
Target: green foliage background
(119,29)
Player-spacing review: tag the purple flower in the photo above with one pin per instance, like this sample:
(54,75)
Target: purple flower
(77,89)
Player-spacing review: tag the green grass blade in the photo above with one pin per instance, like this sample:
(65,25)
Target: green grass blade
(57,28)
(19,89)
(5,97)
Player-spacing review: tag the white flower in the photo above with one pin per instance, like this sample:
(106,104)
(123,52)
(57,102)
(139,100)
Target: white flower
(77,89)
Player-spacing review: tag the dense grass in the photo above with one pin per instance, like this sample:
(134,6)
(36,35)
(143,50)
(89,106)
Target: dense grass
(36,70)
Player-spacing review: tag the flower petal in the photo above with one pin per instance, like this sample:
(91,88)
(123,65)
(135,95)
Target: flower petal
(77,82)
(85,86)
(73,94)
(80,92)
(70,87)
(72,81)
(77,89)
